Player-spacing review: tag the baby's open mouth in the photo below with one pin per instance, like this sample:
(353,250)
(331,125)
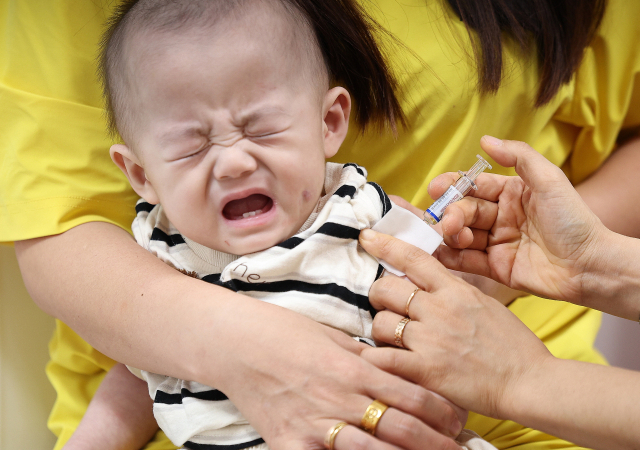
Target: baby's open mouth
(250,206)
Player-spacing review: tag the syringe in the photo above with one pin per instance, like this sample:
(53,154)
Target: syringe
(459,189)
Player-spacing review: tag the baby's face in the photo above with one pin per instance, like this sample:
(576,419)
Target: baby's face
(231,137)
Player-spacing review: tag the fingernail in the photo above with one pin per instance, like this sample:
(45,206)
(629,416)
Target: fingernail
(494,142)
(367,234)
(455,429)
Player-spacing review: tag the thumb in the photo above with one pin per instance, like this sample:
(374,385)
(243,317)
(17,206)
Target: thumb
(535,170)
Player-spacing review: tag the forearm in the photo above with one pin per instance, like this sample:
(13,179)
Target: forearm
(588,404)
(130,305)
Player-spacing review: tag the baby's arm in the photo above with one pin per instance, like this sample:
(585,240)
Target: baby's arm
(120,415)
(610,191)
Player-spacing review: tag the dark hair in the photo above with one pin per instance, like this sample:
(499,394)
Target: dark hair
(560,30)
(344,31)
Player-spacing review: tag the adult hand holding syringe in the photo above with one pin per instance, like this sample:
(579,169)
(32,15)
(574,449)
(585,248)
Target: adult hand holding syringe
(532,233)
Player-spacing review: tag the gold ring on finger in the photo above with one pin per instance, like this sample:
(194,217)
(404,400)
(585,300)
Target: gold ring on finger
(406,307)
(330,438)
(400,331)
(372,416)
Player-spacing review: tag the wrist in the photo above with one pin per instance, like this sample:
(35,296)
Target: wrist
(610,280)
(525,396)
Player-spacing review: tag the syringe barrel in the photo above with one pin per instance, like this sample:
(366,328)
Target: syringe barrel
(460,188)
(464,184)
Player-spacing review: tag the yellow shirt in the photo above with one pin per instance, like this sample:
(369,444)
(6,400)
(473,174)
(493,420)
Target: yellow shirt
(55,171)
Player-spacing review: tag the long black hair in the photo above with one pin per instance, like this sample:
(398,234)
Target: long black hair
(558,31)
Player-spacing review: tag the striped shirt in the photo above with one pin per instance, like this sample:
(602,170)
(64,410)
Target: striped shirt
(321,272)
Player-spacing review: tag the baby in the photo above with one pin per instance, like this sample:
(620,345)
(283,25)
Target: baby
(228,114)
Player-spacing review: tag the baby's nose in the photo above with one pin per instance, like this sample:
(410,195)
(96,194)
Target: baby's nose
(233,162)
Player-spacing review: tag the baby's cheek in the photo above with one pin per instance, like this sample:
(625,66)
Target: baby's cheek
(306,195)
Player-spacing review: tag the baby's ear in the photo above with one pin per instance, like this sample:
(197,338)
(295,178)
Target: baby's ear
(336,109)
(129,163)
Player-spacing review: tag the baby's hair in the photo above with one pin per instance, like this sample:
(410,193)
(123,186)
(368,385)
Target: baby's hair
(343,30)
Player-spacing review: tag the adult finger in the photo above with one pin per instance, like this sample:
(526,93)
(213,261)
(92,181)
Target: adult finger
(441,183)
(351,437)
(409,404)
(465,223)
(385,327)
(469,212)
(468,239)
(414,415)
(466,260)
(463,239)
(408,398)
(396,294)
(536,171)
(410,433)
(408,365)
(420,267)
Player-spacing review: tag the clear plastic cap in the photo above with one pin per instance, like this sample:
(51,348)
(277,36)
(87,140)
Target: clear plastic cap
(466,182)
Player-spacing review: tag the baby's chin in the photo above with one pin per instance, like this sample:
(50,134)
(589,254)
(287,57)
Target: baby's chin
(249,244)
(248,248)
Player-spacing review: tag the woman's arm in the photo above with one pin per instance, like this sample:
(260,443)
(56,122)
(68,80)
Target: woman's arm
(596,406)
(474,351)
(291,377)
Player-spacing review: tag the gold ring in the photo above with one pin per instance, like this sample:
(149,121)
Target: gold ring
(330,438)
(372,416)
(400,331)
(406,308)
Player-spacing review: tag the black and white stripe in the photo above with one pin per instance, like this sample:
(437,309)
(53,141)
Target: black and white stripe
(320,272)
(194,446)
(384,198)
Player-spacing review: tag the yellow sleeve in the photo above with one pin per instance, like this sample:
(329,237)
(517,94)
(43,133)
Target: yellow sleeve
(606,97)
(55,169)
